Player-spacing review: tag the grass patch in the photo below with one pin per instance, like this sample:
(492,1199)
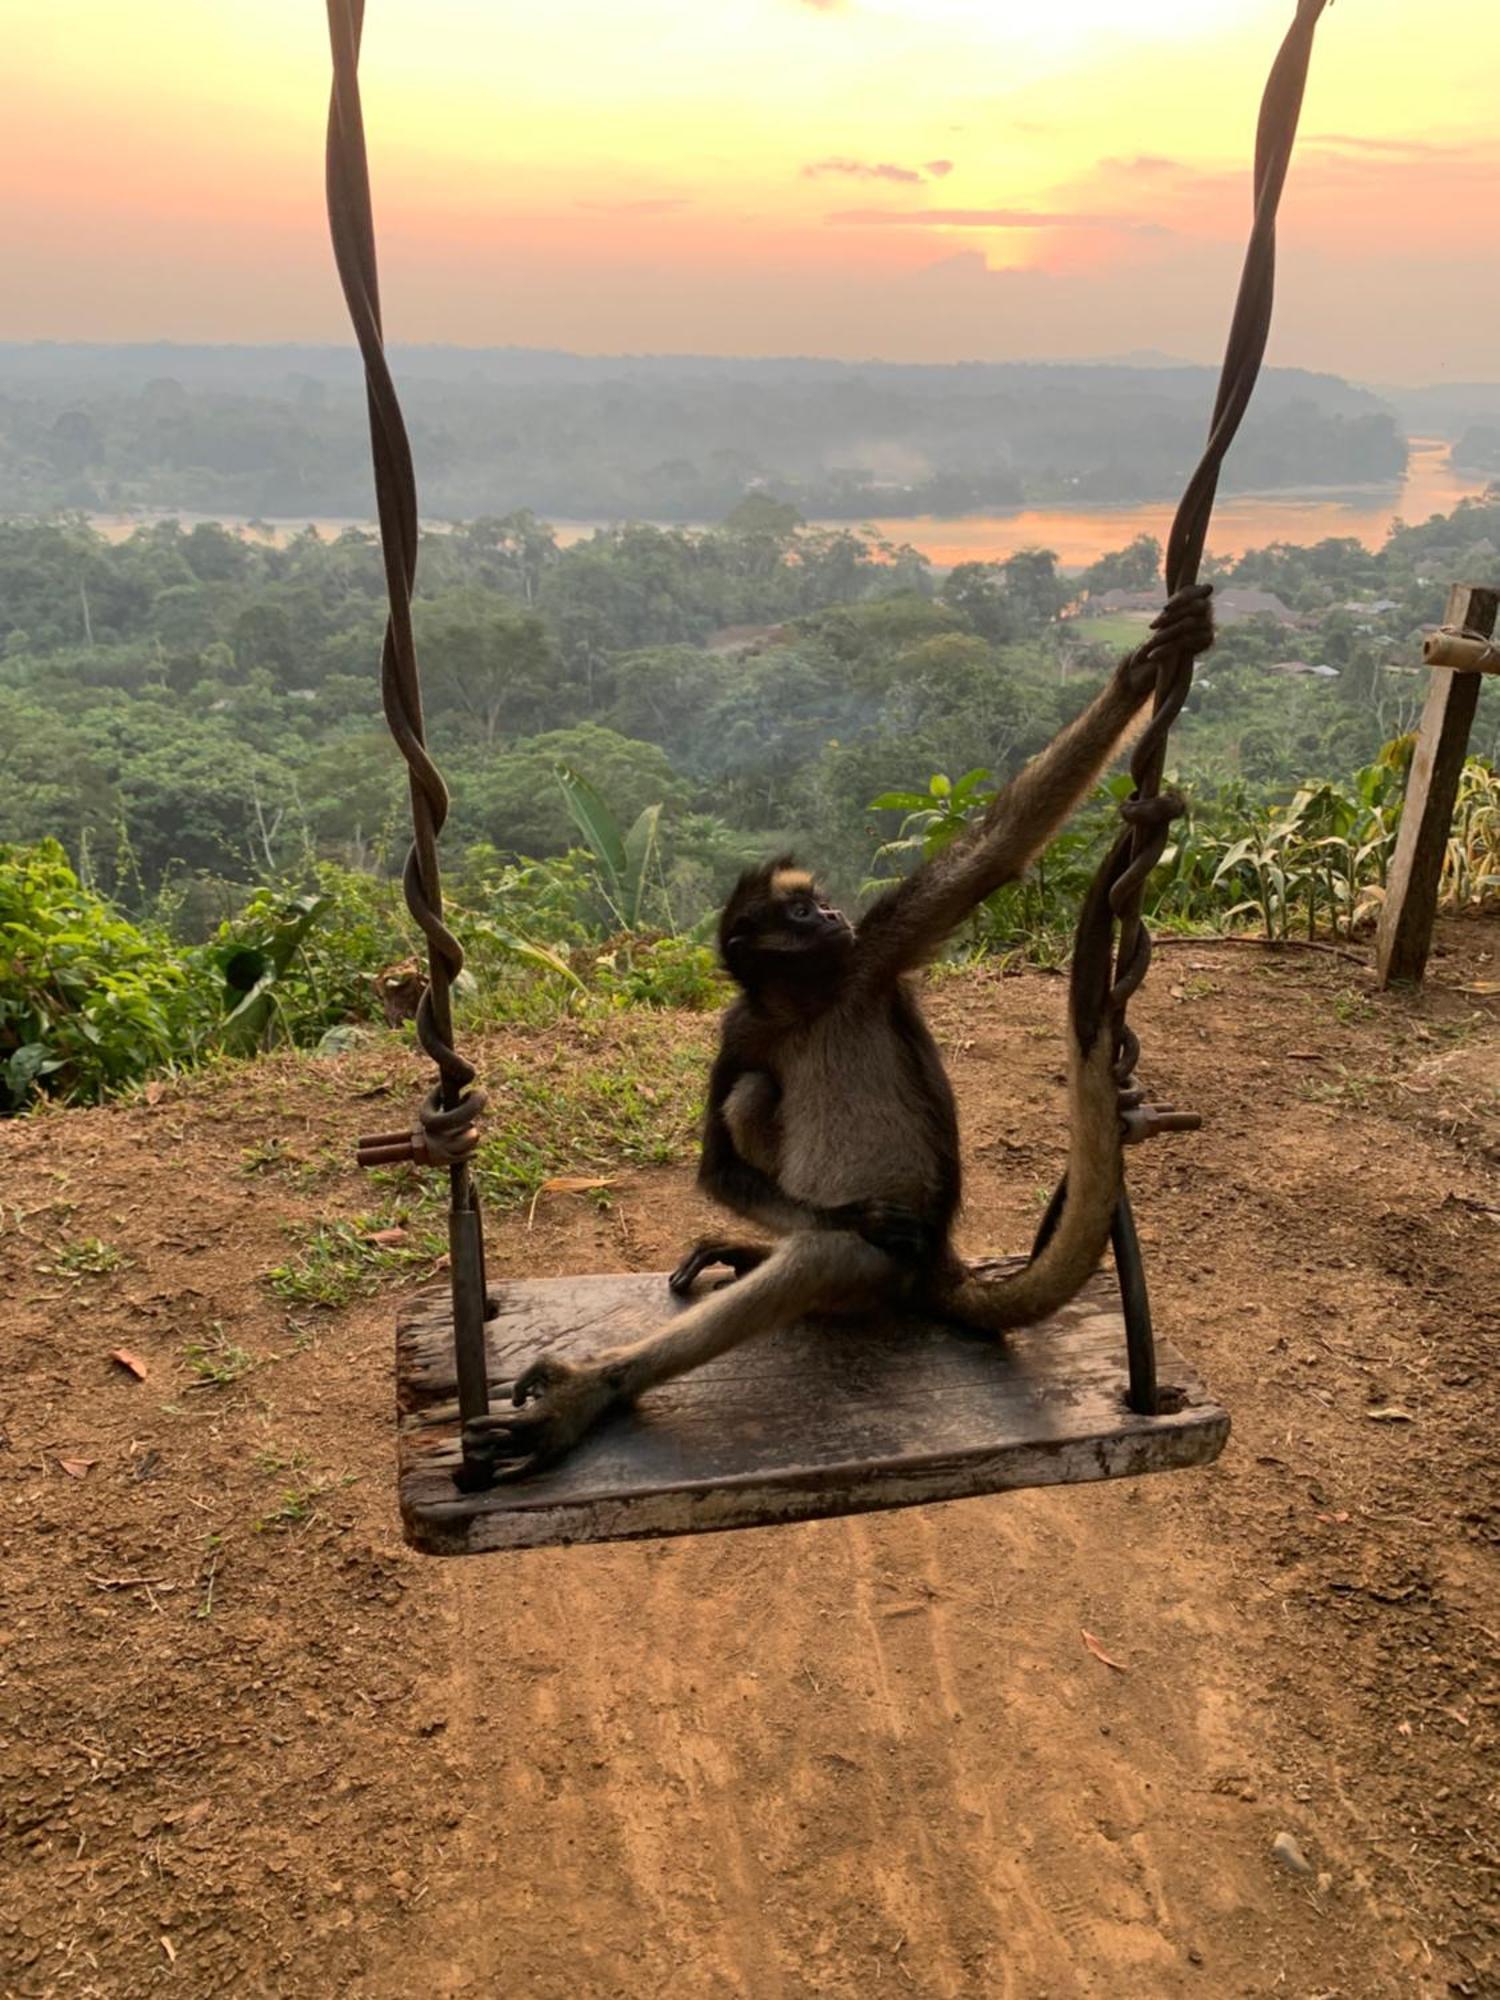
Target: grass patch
(340,1261)
(216,1362)
(89,1257)
(1120,631)
(634,1102)
(297,1502)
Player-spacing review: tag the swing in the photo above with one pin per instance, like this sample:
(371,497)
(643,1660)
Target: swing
(822,1418)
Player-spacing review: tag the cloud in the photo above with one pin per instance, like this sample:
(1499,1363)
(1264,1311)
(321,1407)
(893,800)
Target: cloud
(1143,163)
(984,218)
(859,170)
(939,169)
(666,204)
(1404,149)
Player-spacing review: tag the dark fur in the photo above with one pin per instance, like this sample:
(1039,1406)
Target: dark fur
(831,1121)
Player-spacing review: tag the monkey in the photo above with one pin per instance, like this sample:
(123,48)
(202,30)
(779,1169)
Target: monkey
(830,1120)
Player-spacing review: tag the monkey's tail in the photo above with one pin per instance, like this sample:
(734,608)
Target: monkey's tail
(1095,1158)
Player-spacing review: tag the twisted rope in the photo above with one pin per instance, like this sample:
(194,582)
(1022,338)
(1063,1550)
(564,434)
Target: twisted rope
(1149,812)
(447,1117)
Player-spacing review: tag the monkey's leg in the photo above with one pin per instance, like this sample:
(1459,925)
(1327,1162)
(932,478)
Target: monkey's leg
(710,1250)
(554,1402)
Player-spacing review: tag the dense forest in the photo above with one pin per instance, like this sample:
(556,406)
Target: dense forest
(280,432)
(201,800)
(205,703)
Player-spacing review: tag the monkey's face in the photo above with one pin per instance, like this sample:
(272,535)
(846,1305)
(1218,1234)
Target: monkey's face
(779,930)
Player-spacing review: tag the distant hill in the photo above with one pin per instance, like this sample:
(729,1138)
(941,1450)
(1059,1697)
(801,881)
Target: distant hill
(1445,409)
(279,431)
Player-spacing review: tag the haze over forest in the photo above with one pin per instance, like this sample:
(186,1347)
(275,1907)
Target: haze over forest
(280,431)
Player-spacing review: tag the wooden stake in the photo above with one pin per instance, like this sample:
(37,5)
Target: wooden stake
(1405,935)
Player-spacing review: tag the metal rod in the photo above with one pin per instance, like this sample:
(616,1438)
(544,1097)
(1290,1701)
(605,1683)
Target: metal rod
(1140,1341)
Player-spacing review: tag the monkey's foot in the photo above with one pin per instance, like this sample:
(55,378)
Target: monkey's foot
(552,1405)
(739,1257)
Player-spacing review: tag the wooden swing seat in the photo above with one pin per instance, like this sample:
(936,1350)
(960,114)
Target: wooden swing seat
(827,1417)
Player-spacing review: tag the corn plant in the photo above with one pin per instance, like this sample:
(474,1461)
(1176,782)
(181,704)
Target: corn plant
(1471,865)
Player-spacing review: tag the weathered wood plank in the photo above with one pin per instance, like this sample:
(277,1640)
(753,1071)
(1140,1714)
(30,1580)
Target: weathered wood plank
(824,1418)
(1410,908)
(1464,656)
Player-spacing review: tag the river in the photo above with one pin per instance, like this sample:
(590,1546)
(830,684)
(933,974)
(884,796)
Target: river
(1078,535)
(1241,520)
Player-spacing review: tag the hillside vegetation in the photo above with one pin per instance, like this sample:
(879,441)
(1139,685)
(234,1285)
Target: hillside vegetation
(281,431)
(191,718)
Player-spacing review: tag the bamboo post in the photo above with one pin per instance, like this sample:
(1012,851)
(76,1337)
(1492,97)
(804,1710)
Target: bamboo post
(1406,919)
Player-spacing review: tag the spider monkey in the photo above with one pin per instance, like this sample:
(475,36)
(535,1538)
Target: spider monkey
(830,1120)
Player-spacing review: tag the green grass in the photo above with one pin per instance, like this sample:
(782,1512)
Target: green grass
(336,1261)
(89,1257)
(215,1362)
(1120,631)
(297,1502)
(635,1103)
(625,1093)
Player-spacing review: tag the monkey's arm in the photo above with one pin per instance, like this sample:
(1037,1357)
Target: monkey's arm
(909,923)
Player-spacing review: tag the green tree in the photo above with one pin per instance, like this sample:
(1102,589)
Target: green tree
(1135,567)
(487,660)
(977,592)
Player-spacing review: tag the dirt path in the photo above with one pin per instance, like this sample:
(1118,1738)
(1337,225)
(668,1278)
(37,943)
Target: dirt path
(250,1745)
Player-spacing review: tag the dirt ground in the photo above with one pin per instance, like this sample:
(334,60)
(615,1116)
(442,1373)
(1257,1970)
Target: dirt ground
(251,1745)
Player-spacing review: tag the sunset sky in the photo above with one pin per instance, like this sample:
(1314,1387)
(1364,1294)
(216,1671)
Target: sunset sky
(910,179)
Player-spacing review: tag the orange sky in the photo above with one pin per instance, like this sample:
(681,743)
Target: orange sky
(913,179)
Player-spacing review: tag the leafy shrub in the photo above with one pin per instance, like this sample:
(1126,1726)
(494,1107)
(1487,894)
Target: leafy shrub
(1318,860)
(660,972)
(89,1002)
(296,963)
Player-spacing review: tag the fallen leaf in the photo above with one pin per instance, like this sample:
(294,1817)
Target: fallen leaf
(385,1236)
(154,1092)
(1390,1413)
(578,1183)
(1485,986)
(77,1468)
(1099,1653)
(131,1363)
(169,1948)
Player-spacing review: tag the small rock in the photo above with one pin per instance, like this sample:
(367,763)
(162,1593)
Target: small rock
(1195,1957)
(1325,1883)
(1290,1855)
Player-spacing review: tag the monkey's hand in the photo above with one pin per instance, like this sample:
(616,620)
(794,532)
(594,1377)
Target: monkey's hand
(552,1404)
(900,1232)
(737,1257)
(1184,624)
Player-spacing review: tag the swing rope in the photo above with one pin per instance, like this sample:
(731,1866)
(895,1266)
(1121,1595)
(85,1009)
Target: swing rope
(445,1134)
(1149,812)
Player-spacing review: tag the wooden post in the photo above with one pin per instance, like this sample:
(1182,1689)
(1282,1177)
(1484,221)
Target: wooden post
(1406,919)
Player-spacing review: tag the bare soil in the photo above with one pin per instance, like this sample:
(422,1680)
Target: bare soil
(251,1745)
